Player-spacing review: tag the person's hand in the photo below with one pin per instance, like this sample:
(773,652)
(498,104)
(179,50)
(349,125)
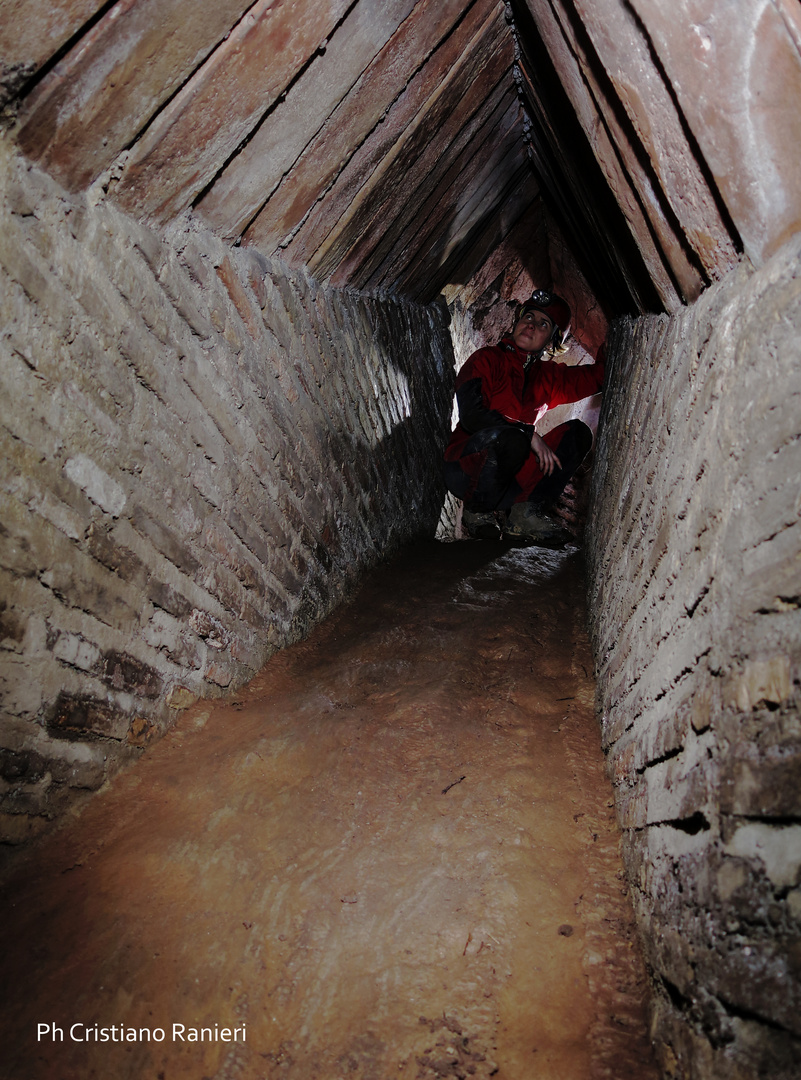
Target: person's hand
(545,456)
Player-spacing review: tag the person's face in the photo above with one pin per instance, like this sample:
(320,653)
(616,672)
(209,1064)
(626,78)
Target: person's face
(533,331)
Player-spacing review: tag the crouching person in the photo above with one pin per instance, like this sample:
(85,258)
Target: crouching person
(506,474)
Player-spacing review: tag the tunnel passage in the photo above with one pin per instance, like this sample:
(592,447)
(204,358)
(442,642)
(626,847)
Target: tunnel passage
(392,854)
(243,247)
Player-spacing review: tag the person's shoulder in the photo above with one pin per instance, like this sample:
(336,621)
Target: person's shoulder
(502,351)
(484,356)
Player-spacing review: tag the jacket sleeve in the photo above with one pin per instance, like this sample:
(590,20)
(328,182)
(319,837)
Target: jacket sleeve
(474,415)
(474,392)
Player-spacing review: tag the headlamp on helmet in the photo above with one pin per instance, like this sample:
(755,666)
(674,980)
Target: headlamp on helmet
(553,306)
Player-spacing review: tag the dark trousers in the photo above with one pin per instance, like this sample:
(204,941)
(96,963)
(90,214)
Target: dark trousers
(498,467)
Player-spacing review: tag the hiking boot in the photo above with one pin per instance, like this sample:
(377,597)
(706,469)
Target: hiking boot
(481,526)
(528,522)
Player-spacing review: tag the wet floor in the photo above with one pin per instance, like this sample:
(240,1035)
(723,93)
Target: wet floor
(393,854)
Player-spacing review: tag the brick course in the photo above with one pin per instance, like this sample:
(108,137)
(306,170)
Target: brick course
(694,548)
(201,451)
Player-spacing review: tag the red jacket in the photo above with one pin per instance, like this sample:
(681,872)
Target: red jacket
(499,385)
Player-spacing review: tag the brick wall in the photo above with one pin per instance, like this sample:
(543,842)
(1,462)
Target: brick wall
(695,588)
(200,453)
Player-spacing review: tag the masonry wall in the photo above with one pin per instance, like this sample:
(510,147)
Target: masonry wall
(695,588)
(200,452)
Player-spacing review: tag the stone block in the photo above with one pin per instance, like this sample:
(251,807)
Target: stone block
(41,286)
(215,397)
(98,485)
(632,807)
(70,763)
(41,501)
(232,554)
(101,370)
(126,673)
(167,634)
(227,590)
(82,716)
(239,298)
(102,544)
(262,544)
(13,625)
(185,298)
(219,672)
(139,349)
(210,629)
(98,298)
(168,598)
(75,650)
(86,775)
(73,576)
(22,766)
(18,829)
(164,540)
(180,698)
(149,246)
(33,549)
(31,799)
(24,684)
(761,681)
(250,651)
(761,977)
(777,847)
(141,732)
(762,788)
(256,270)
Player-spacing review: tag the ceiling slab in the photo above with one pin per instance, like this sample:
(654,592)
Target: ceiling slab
(391,145)
(33,32)
(635,171)
(253,174)
(490,230)
(312,232)
(212,115)
(447,207)
(660,130)
(736,72)
(388,194)
(570,184)
(365,106)
(98,98)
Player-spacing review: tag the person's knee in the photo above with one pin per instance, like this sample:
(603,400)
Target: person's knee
(512,447)
(456,480)
(581,437)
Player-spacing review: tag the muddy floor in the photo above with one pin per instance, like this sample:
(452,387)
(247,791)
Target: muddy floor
(393,854)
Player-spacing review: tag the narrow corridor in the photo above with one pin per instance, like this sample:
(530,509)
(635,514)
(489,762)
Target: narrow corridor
(393,854)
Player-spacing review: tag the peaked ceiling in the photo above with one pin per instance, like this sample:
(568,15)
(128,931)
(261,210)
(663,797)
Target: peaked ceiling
(393,145)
